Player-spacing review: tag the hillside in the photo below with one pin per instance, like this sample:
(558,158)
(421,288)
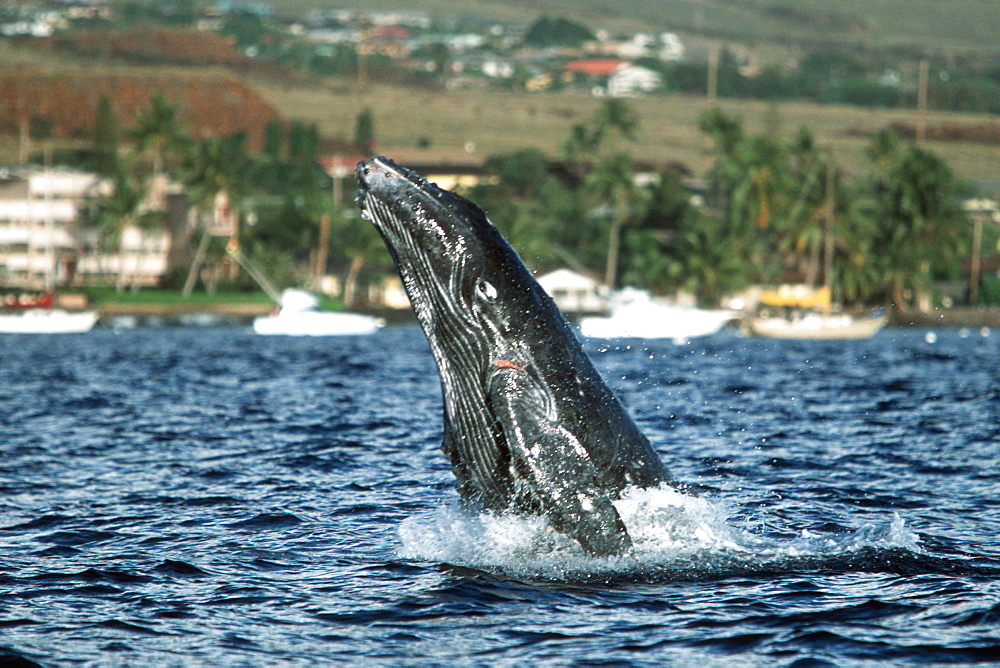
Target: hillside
(220,90)
(448,122)
(955,27)
(210,105)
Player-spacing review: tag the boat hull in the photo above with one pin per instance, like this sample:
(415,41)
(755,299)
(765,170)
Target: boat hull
(47,322)
(655,321)
(316,323)
(817,327)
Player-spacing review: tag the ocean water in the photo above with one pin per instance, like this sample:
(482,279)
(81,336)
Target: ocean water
(208,497)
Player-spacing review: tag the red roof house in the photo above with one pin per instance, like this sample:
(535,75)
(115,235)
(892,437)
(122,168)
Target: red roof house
(595,67)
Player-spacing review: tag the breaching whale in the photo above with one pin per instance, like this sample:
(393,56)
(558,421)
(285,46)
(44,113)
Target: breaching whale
(529,425)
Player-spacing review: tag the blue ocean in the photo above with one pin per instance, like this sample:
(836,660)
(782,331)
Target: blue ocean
(211,497)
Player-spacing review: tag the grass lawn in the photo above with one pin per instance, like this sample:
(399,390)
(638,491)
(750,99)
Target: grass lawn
(158,301)
(160,297)
(154,299)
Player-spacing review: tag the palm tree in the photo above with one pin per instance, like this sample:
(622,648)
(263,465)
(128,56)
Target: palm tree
(709,260)
(576,144)
(359,241)
(908,213)
(615,116)
(219,168)
(920,222)
(612,185)
(726,133)
(158,130)
(117,212)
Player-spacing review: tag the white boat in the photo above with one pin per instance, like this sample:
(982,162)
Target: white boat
(47,321)
(816,326)
(36,315)
(299,315)
(634,314)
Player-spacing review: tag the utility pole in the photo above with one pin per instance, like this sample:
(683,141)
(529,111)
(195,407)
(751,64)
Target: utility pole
(614,240)
(324,241)
(713,75)
(977,249)
(828,227)
(360,49)
(922,103)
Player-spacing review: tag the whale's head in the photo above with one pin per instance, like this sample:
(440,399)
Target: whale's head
(469,289)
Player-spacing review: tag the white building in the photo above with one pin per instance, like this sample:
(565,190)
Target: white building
(672,48)
(42,243)
(632,80)
(574,292)
(38,210)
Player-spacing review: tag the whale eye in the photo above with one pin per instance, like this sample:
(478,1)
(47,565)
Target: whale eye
(486,290)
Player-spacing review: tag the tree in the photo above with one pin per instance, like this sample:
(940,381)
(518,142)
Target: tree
(918,222)
(219,167)
(303,143)
(725,130)
(114,214)
(437,56)
(546,32)
(158,130)
(364,131)
(524,171)
(619,200)
(615,115)
(726,133)
(274,140)
(105,150)
(358,241)
(246,27)
(577,142)
(708,260)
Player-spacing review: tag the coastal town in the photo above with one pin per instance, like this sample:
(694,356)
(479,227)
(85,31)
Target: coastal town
(131,213)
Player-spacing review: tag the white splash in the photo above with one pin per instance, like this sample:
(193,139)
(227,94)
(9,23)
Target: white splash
(671,532)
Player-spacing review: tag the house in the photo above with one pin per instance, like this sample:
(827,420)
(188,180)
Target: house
(574,292)
(43,244)
(632,80)
(38,212)
(597,68)
(614,76)
(672,48)
(638,46)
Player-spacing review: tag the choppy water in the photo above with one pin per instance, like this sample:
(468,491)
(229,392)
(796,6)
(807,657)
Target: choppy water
(209,497)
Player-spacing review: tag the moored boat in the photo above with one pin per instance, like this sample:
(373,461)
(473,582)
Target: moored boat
(37,315)
(636,315)
(299,315)
(804,312)
(817,326)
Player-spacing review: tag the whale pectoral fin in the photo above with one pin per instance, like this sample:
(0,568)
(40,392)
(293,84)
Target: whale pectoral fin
(556,467)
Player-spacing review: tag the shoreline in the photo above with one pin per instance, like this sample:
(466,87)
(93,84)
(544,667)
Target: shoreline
(961,316)
(244,313)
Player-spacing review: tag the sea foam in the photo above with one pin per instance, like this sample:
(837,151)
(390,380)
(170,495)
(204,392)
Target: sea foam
(672,533)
